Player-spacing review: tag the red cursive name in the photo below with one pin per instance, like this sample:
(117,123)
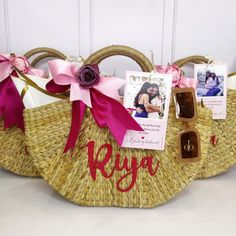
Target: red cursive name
(131,166)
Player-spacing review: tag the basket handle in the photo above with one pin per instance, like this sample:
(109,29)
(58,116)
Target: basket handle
(191,59)
(232,74)
(47,52)
(44,52)
(116,50)
(43,56)
(197,60)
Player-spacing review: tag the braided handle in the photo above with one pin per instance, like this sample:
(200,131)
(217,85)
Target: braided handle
(44,52)
(115,50)
(43,56)
(47,52)
(197,60)
(191,59)
(232,74)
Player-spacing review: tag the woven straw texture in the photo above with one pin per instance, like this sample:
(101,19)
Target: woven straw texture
(222,156)
(13,150)
(47,129)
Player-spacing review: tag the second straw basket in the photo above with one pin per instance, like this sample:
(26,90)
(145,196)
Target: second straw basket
(13,149)
(222,154)
(47,129)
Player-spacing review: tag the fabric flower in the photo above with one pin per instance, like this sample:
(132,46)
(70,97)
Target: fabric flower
(10,61)
(67,76)
(173,69)
(11,104)
(178,79)
(21,63)
(88,88)
(88,75)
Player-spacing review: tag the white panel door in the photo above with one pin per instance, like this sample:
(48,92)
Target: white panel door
(136,23)
(52,23)
(206,28)
(170,28)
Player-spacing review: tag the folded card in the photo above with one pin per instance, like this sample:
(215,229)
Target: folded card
(147,98)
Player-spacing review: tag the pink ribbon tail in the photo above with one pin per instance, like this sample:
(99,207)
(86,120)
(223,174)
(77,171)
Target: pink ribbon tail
(11,105)
(108,112)
(78,110)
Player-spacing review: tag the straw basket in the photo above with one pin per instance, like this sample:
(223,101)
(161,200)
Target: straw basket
(13,150)
(222,156)
(47,129)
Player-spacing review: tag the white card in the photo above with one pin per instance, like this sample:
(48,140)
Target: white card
(211,88)
(147,98)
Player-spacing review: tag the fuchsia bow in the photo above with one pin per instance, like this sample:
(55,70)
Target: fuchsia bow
(11,105)
(178,78)
(87,88)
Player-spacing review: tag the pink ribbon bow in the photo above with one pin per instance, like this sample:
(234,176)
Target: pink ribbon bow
(179,80)
(11,105)
(87,88)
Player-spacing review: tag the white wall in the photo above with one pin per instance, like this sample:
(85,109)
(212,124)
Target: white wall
(171,28)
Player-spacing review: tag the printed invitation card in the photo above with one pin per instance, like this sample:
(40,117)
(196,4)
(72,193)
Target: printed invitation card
(211,88)
(147,99)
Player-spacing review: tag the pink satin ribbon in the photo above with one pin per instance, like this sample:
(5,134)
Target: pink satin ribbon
(102,98)
(185,82)
(178,81)
(11,105)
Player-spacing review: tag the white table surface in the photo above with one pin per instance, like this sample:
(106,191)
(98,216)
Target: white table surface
(30,207)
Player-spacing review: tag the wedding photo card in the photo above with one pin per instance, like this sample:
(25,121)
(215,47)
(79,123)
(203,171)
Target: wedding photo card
(211,87)
(147,99)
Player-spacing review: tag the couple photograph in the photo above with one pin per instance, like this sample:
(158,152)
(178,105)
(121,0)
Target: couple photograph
(146,95)
(209,84)
(148,102)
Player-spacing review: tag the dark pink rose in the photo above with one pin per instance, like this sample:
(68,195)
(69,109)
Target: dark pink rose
(88,75)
